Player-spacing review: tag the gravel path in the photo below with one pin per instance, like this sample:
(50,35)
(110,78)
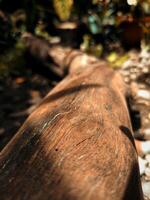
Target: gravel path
(136,73)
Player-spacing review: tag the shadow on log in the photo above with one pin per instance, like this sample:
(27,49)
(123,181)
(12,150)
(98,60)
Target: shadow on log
(77,145)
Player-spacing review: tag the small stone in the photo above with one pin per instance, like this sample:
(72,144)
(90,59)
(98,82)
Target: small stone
(144,94)
(146,133)
(141,86)
(147,158)
(133,76)
(146,188)
(134,70)
(147,172)
(140,66)
(142,165)
(125,73)
(126,79)
(127,64)
(145,70)
(145,146)
(144,102)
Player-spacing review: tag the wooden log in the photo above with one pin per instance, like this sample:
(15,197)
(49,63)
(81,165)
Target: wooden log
(78,144)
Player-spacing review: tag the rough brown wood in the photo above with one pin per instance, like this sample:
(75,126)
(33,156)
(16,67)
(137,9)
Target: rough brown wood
(77,145)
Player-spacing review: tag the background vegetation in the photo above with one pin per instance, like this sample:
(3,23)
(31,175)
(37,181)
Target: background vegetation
(99,27)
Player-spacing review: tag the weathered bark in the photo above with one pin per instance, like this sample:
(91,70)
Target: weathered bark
(78,143)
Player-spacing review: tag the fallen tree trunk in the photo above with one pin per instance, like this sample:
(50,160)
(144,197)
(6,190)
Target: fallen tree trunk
(78,143)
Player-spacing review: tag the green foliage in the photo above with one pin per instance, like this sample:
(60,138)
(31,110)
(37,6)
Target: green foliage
(12,60)
(100,20)
(116,60)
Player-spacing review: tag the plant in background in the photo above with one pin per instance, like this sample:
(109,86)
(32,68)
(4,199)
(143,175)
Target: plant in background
(63,8)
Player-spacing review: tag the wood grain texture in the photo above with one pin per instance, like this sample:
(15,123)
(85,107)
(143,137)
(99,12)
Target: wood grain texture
(77,145)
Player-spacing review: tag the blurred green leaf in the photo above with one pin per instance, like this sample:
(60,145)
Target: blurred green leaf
(116,60)
(63,8)
(112,57)
(146,7)
(94,24)
(13,60)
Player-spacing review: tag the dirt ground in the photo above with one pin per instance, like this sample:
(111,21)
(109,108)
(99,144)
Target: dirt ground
(19,97)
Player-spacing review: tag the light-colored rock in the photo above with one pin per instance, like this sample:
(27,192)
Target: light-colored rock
(142,165)
(147,172)
(146,188)
(147,158)
(143,94)
(145,70)
(146,133)
(145,146)
(141,86)
(134,70)
(133,76)
(140,65)
(126,79)
(127,64)
(143,101)
(125,72)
